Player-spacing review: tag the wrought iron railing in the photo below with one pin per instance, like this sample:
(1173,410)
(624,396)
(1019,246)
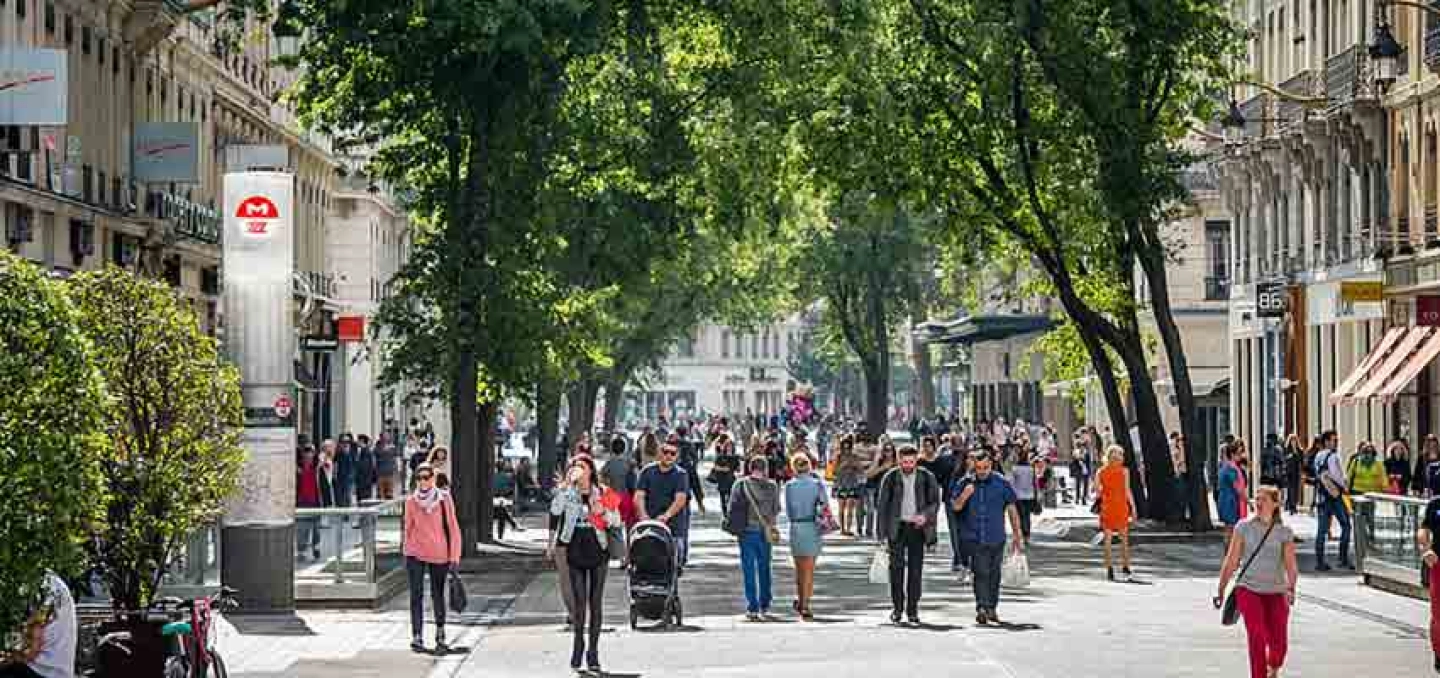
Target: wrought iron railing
(1347,77)
(1259,112)
(1217,288)
(1303,84)
(1432,49)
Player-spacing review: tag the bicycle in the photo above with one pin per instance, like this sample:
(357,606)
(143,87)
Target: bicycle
(189,645)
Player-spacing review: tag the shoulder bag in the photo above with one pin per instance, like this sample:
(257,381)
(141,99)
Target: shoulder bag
(772,534)
(1229,613)
(458,599)
(824,517)
(735,517)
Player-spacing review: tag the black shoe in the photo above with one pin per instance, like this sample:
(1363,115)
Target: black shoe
(894,616)
(315,552)
(1110,573)
(1437,663)
(592,662)
(417,645)
(981,618)
(990,614)
(1322,567)
(575,656)
(440,647)
(914,619)
(1346,565)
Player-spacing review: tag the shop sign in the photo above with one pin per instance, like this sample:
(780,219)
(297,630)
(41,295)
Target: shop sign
(33,86)
(351,328)
(1427,311)
(1270,300)
(1362,291)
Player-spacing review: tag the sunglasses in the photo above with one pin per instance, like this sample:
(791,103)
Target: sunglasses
(425,476)
(669,453)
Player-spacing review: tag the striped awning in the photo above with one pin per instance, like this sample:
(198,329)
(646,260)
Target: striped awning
(1395,362)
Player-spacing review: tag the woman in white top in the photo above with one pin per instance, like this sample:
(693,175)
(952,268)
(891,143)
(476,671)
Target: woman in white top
(1022,478)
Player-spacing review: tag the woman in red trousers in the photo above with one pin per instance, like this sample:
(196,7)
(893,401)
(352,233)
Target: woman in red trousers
(1261,558)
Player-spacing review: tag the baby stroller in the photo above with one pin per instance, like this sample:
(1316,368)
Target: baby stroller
(654,575)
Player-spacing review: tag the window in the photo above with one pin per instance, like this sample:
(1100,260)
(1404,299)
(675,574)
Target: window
(49,16)
(100,49)
(755,345)
(69,29)
(20,8)
(100,189)
(87,183)
(725,344)
(84,39)
(1217,265)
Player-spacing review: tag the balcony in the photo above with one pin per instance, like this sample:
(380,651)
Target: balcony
(1304,84)
(1431,232)
(1347,77)
(1217,288)
(1259,110)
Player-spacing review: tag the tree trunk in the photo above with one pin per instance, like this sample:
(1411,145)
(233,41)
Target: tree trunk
(924,378)
(614,400)
(485,477)
(877,369)
(1198,494)
(547,423)
(877,398)
(464,451)
(1110,389)
(581,399)
(1159,473)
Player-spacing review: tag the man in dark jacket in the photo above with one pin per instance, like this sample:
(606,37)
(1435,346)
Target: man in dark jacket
(344,469)
(906,507)
(365,475)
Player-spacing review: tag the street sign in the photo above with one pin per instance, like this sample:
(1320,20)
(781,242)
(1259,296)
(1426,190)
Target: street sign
(318,343)
(1362,291)
(1427,311)
(1270,300)
(283,406)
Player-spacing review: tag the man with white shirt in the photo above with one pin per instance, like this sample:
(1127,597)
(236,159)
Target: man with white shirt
(906,507)
(49,637)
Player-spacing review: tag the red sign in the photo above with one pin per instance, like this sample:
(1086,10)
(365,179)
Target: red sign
(350,328)
(283,407)
(257,215)
(1427,311)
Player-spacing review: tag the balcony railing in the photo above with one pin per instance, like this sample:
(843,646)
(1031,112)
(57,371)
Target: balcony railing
(1217,288)
(1432,49)
(1347,77)
(1259,111)
(1304,84)
(1431,223)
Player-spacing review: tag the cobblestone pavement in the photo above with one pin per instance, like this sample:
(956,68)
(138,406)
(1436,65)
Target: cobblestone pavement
(1069,623)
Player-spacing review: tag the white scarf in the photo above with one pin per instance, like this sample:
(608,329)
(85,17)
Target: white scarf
(429,499)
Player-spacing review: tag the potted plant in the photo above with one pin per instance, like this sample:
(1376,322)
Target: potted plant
(50,442)
(173,419)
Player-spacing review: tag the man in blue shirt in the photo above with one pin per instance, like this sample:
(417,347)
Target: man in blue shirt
(984,501)
(663,494)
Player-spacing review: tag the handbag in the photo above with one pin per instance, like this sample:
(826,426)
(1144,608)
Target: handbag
(734,521)
(1015,571)
(1229,612)
(880,566)
(1095,506)
(458,600)
(772,534)
(825,518)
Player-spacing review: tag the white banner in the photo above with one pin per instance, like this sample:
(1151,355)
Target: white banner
(33,87)
(166,151)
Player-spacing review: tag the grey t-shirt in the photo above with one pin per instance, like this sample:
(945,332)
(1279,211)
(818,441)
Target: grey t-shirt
(57,650)
(1267,573)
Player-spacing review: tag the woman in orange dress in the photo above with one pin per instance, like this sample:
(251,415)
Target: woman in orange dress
(1117,508)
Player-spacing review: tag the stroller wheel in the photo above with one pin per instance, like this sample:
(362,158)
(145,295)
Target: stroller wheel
(679,615)
(634,619)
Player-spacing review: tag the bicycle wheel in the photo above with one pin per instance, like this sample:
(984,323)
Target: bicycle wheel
(176,667)
(217,666)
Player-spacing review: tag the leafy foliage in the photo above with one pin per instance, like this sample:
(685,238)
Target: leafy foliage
(50,440)
(173,419)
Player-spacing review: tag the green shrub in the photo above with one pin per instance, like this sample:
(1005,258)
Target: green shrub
(173,418)
(52,493)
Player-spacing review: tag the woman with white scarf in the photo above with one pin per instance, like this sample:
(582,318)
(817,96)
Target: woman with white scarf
(432,545)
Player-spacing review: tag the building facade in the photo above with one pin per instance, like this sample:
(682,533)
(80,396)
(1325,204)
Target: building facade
(720,370)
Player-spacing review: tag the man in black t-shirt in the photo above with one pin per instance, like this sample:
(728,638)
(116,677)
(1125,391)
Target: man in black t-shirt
(1425,537)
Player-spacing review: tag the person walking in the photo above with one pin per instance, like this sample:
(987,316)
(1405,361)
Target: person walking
(387,466)
(662,494)
(1294,462)
(432,547)
(726,467)
(583,525)
(1080,467)
(804,495)
(1332,502)
(849,486)
(1117,509)
(312,490)
(1023,479)
(365,469)
(345,462)
(985,501)
(1231,496)
(44,647)
(944,464)
(752,509)
(881,463)
(439,461)
(1428,539)
(1261,559)
(618,477)
(1397,467)
(906,506)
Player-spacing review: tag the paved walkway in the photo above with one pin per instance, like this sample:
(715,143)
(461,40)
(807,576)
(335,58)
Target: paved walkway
(1069,623)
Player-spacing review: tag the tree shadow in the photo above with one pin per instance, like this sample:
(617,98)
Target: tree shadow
(667,629)
(927,626)
(452,650)
(1011,626)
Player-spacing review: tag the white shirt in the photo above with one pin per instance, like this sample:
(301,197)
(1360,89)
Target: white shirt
(57,651)
(907,496)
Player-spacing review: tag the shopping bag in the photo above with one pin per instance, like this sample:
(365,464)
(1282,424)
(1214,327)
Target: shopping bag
(880,566)
(1015,572)
(458,600)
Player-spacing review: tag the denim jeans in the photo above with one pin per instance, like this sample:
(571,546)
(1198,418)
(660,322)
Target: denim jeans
(985,560)
(867,512)
(1330,507)
(958,556)
(755,567)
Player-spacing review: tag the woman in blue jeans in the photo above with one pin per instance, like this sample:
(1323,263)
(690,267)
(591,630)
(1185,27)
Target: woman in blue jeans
(760,497)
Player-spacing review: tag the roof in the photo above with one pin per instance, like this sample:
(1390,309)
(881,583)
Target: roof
(974,329)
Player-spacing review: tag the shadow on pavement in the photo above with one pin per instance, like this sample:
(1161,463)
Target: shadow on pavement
(269,624)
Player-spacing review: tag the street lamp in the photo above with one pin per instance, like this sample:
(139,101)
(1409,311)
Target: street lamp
(288,29)
(1385,52)
(1233,123)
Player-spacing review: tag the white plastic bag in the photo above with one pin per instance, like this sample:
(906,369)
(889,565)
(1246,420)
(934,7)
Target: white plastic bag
(1015,571)
(880,566)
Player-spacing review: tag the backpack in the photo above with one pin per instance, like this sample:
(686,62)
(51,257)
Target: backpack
(1324,482)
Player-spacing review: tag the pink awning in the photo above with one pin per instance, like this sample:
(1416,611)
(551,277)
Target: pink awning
(1427,351)
(1346,390)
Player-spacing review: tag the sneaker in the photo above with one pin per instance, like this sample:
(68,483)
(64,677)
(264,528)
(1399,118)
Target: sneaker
(914,619)
(1347,566)
(752,616)
(990,614)
(575,656)
(894,616)
(440,646)
(1322,567)
(417,644)
(981,618)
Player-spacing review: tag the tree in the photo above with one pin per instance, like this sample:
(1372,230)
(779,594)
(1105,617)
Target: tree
(50,422)
(862,263)
(173,418)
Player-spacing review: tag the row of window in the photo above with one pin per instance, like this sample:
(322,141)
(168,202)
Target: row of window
(765,345)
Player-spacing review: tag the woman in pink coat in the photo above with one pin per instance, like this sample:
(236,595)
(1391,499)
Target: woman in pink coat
(432,545)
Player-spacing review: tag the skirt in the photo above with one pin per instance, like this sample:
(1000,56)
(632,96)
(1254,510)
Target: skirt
(849,487)
(805,541)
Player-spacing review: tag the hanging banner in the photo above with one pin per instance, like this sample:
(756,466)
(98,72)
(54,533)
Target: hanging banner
(166,152)
(33,87)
